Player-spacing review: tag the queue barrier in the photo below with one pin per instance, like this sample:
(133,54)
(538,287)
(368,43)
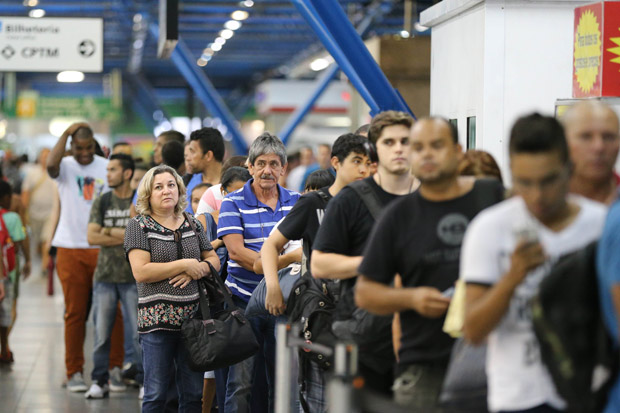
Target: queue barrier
(345,389)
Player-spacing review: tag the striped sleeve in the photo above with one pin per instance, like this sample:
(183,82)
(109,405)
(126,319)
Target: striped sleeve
(230,221)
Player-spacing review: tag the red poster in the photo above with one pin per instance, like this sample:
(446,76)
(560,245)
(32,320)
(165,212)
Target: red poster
(587,50)
(611,49)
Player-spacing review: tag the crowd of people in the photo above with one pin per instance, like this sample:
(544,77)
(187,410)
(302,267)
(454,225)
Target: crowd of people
(380,225)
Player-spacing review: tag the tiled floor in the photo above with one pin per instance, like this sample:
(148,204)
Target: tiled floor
(33,383)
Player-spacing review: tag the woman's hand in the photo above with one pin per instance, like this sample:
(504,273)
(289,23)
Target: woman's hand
(181,280)
(195,268)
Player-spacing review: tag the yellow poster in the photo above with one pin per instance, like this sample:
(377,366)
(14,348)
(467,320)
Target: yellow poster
(587,51)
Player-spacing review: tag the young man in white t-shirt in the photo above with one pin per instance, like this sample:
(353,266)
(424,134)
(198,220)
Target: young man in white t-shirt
(507,251)
(81,178)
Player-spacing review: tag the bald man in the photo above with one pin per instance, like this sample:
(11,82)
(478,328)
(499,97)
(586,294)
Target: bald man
(592,132)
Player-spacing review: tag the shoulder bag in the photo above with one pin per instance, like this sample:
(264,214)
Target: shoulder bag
(219,339)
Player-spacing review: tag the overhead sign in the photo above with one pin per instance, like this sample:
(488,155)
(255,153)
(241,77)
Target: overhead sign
(51,44)
(31,105)
(596,57)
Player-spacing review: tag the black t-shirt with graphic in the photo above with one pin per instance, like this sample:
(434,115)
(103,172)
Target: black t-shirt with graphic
(421,240)
(305,218)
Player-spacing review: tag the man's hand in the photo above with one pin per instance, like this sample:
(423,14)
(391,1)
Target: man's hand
(274,301)
(525,258)
(429,302)
(26,269)
(74,127)
(180,280)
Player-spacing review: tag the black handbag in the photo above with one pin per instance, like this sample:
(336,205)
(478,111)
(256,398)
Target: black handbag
(217,340)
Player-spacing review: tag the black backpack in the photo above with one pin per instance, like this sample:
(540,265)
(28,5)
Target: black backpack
(312,303)
(574,343)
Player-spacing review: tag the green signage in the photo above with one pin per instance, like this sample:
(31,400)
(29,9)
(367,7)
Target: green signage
(83,107)
(31,105)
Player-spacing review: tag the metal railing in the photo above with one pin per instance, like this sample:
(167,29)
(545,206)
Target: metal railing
(345,390)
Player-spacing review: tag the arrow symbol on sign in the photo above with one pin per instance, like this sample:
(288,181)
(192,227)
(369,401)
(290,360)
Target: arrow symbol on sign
(8,52)
(86,48)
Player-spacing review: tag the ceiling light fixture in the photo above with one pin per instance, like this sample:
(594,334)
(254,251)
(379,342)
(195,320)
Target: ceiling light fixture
(208,51)
(248,3)
(405,34)
(239,15)
(232,25)
(70,76)
(201,62)
(319,64)
(36,13)
(220,40)
(216,47)
(31,3)
(227,34)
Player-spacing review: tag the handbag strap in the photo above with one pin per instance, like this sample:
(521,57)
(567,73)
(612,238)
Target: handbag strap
(216,276)
(218,280)
(203,299)
(190,221)
(205,311)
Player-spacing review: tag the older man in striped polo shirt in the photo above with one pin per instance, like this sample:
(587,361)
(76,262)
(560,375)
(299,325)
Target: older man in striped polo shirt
(246,218)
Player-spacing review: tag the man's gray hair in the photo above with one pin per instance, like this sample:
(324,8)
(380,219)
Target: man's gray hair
(267,144)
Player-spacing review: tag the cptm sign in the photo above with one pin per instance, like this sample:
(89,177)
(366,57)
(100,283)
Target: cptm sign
(51,44)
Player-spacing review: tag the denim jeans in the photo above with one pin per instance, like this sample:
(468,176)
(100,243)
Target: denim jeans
(160,349)
(105,299)
(242,389)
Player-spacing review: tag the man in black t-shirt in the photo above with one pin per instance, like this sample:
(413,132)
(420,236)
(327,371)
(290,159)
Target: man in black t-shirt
(350,159)
(337,250)
(419,237)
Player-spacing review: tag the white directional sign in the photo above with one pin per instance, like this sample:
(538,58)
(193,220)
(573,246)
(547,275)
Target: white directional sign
(51,44)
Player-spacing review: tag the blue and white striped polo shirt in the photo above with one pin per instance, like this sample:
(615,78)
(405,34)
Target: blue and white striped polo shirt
(242,213)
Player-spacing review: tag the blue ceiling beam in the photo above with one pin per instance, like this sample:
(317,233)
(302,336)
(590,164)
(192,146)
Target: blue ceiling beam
(325,79)
(339,37)
(203,88)
(307,11)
